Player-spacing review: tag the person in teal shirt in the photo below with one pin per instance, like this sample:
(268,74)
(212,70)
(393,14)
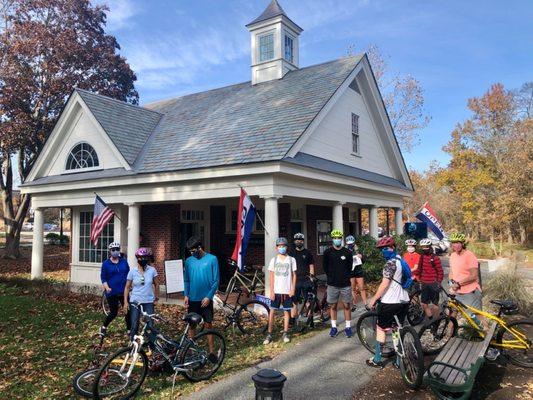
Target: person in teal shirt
(201,278)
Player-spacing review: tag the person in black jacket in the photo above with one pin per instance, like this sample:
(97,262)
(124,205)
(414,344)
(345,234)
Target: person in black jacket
(337,263)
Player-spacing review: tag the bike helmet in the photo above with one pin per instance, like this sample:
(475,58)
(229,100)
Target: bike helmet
(143,252)
(282,241)
(425,242)
(336,233)
(114,245)
(299,236)
(386,241)
(193,243)
(457,237)
(350,239)
(410,242)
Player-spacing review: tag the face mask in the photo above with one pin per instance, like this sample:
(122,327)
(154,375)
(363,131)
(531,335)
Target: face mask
(115,253)
(282,250)
(299,245)
(426,251)
(143,263)
(411,249)
(387,253)
(337,242)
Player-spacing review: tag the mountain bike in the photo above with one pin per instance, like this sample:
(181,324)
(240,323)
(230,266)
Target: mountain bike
(405,344)
(249,285)
(415,313)
(313,308)
(514,338)
(251,317)
(123,373)
(83,381)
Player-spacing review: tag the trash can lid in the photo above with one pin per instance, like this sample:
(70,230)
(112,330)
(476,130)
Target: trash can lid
(269,378)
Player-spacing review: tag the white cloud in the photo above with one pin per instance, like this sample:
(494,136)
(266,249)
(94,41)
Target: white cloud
(120,13)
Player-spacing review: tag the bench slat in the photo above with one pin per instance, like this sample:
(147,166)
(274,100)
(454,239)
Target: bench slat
(468,357)
(462,351)
(445,355)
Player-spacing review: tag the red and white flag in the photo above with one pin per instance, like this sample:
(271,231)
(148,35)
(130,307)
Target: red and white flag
(245,226)
(102,215)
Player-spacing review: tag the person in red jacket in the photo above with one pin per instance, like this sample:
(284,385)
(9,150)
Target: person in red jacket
(411,256)
(430,275)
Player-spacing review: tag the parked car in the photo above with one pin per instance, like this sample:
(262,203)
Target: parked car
(27,226)
(50,227)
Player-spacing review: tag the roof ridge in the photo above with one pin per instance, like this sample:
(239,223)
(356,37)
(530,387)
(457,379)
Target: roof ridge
(122,102)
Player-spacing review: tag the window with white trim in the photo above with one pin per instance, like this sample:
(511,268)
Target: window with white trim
(355,134)
(266,47)
(87,251)
(258,226)
(289,47)
(82,156)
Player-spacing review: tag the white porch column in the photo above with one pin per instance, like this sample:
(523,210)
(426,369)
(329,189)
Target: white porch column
(37,247)
(398,220)
(134,230)
(337,216)
(373,221)
(271,234)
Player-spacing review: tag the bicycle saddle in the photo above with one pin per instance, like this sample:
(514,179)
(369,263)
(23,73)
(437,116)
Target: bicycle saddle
(192,318)
(507,306)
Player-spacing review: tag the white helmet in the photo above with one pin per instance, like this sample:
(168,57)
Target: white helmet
(410,242)
(350,239)
(425,242)
(114,245)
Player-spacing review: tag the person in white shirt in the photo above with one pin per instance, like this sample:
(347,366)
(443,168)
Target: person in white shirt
(282,271)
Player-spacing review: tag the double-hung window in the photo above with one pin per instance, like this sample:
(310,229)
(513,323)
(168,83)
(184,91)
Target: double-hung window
(266,47)
(289,46)
(355,134)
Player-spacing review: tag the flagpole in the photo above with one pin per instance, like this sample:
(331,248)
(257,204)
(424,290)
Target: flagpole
(257,214)
(114,213)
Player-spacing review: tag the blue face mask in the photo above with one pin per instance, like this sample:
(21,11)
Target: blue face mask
(115,253)
(282,250)
(337,242)
(387,253)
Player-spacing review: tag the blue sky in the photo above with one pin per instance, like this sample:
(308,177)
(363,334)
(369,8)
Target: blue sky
(457,49)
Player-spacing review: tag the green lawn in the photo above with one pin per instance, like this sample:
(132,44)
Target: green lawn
(46,335)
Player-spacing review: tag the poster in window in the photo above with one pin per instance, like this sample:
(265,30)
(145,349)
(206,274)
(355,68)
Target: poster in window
(323,230)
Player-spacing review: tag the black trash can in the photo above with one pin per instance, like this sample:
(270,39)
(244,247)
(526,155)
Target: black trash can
(269,384)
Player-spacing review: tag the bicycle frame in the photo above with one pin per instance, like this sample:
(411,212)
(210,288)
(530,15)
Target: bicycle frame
(249,284)
(520,343)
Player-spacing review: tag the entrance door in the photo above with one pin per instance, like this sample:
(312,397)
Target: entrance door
(193,223)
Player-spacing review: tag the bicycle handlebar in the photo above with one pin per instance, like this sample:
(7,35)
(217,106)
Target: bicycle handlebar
(139,307)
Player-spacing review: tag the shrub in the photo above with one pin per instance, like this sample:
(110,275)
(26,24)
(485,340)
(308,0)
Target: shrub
(54,238)
(509,285)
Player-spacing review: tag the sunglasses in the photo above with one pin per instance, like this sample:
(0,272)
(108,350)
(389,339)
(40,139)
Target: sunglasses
(115,249)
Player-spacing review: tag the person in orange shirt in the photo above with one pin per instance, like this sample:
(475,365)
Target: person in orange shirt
(464,273)
(411,256)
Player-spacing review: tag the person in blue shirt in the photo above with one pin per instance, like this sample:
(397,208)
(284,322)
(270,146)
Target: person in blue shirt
(201,278)
(141,287)
(113,275)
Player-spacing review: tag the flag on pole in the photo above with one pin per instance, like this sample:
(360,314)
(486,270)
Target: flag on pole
(427,215)
(102,215)
(245,224)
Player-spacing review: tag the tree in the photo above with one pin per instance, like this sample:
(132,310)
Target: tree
(48,47)
(403,97)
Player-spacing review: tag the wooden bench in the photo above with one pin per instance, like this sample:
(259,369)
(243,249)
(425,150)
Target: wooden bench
(455,368)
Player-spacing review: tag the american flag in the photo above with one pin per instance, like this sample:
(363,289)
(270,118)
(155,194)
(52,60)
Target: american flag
(102,215)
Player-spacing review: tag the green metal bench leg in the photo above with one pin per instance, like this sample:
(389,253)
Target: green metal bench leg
(442,396)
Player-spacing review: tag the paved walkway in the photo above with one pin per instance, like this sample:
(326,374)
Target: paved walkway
(317,368)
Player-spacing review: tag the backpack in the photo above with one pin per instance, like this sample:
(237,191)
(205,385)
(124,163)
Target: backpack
(407,277)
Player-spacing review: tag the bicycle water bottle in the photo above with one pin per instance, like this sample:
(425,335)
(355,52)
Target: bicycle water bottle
(395,338)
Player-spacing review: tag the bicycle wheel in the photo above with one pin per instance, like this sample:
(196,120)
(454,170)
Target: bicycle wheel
(83,382)
(305,316)
(105,305)
(324,311)
(412,362)
(415,314)
(366,332)
(122,375)
(204,354)
(252,318)
(524,329)
(434,336)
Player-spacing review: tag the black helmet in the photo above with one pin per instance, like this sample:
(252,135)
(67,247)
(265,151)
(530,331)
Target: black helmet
(194,242)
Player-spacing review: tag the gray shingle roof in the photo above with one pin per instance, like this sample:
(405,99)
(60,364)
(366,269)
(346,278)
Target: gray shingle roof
(127,125)
(273,10)
(241,123)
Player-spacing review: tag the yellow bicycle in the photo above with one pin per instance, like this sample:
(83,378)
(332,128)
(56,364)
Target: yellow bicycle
(514,338)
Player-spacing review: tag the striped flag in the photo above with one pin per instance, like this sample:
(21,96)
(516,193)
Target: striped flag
(245,226)
(427,215)
(102,215)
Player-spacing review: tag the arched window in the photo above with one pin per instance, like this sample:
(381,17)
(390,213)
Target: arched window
(82,156)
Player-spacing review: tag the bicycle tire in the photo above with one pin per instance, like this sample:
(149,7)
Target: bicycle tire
(305,316)
(239,317)
(366,332)
(105,305)
(79,385)
(415,313)
(189,344)
(510,353)
(136,388)
(414,364)
(324,312)
(432,336)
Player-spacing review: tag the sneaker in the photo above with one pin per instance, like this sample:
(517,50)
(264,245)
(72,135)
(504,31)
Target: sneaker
(492,354)
(268,339)
(333,332)
(371,363)
(348,332)
(102,331)
(286,337)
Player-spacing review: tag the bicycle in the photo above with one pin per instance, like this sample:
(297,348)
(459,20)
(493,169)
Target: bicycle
(250,285)
(123,373)
(514,338)
(83,381)
(415,313)
(251,317)
(405,344)
(312,307)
